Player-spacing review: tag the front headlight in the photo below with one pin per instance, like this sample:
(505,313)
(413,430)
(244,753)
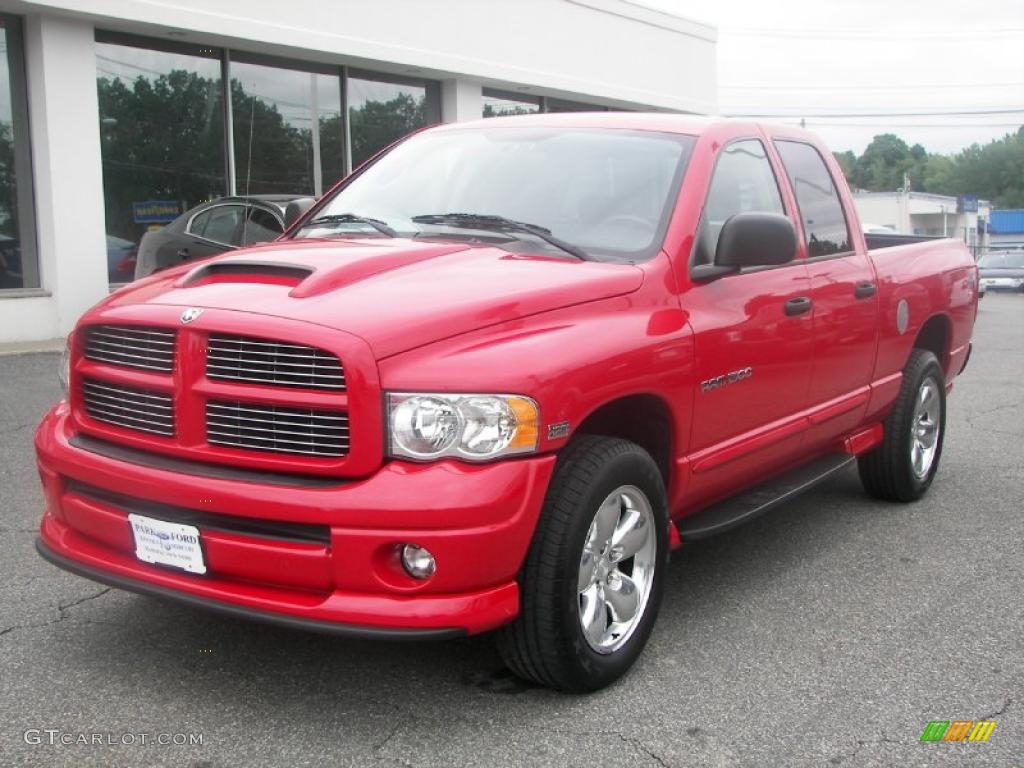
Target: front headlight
(64,372)
(470,427)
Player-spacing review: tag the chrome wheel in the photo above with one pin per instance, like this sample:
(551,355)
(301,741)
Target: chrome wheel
(925,427)
(617,569)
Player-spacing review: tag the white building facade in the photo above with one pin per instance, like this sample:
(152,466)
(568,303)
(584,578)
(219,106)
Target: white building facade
(922,213)
(115,115)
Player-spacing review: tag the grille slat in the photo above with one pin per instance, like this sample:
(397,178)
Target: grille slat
(264,361)
(132,408)
(280,430)
(131,346)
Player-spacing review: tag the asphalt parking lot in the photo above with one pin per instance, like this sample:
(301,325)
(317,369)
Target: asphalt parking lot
(828,633)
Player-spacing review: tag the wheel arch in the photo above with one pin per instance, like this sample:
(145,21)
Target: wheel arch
(642,418)
(936,336)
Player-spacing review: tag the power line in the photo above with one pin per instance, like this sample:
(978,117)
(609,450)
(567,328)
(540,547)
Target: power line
(885,87)
(966,33)
(895,126)
(944,113)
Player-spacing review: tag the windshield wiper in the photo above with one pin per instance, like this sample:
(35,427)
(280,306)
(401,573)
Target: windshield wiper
(351,218)
(500,224)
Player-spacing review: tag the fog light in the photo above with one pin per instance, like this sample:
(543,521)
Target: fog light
(418,562)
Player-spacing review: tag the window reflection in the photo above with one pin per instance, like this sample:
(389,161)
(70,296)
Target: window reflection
(381,112)
(498,104)
(162,137)
(287,127)
(17,260)
(560,105)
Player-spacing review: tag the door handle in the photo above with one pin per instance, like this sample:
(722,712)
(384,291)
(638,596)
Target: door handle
(798,306)
(865,290)
(183,253)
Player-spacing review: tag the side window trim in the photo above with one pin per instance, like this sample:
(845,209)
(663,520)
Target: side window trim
(276,213)
(852,250)
(690,263)
(197,214)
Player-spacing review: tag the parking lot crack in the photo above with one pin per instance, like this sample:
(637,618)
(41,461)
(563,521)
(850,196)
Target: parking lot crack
(637,744)
(861,744)
(391,734)
(1002,710)
(65,606)
(62,613)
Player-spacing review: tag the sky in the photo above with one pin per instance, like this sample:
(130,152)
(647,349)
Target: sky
(883,58)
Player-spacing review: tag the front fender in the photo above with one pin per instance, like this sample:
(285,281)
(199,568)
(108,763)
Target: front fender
(571,361)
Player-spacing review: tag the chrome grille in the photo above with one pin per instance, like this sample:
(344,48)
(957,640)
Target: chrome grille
(263,361)
(129,407)
(131,346)
(277,429)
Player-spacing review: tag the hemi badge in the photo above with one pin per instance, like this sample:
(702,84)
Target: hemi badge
(558,431)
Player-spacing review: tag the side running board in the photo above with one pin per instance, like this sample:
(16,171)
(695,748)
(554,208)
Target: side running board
(751,503)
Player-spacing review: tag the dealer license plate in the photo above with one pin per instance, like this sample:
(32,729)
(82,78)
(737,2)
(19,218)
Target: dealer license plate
(173,544)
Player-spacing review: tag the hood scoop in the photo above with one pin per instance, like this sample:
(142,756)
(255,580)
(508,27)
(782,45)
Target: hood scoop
(253,271)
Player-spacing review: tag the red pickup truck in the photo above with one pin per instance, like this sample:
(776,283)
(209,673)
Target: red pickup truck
(494,376)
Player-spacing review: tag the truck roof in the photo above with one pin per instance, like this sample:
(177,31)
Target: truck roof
(669,122)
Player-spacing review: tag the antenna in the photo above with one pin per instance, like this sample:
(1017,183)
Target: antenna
(248,169)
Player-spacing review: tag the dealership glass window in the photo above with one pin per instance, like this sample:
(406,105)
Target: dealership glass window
(161,132)
(501,103)
(18,263)
(561,105)
(822,213)
(382,110)
(288,135)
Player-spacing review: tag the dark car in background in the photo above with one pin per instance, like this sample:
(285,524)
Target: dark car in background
(215,227)
(1002,271)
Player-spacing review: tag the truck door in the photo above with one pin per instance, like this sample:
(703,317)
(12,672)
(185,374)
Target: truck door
(753,341)
(844,293)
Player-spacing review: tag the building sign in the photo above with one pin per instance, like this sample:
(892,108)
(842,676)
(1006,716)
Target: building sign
(967,204)
(157,211)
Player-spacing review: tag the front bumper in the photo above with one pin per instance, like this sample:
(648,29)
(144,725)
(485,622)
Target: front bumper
(319,556)
(1001,284)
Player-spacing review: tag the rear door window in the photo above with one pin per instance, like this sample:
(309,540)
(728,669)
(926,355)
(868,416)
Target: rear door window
(825,227)
(261,226)
(219,224)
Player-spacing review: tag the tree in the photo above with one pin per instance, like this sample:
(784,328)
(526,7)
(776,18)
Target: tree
(163,138)
(847,161)
(994,171)
(376,124)
(884,162)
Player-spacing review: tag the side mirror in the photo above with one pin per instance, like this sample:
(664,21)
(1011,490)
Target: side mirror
(296,208)
(755,240)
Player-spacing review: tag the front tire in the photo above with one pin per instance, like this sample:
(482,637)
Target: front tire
(591,584)
(904,465)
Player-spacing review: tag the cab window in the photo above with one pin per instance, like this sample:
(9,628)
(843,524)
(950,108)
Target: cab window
(743,182)
(219,224)
(825,228)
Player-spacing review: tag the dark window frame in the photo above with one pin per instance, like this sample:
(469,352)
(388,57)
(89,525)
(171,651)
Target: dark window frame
(852,250)
(24,182)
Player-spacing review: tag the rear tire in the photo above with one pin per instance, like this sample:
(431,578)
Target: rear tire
(591,584)
(904,465)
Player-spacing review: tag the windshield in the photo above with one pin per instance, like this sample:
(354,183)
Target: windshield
(608,193)
(1002,261)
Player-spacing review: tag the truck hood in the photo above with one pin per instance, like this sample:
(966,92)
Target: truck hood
(397,294)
